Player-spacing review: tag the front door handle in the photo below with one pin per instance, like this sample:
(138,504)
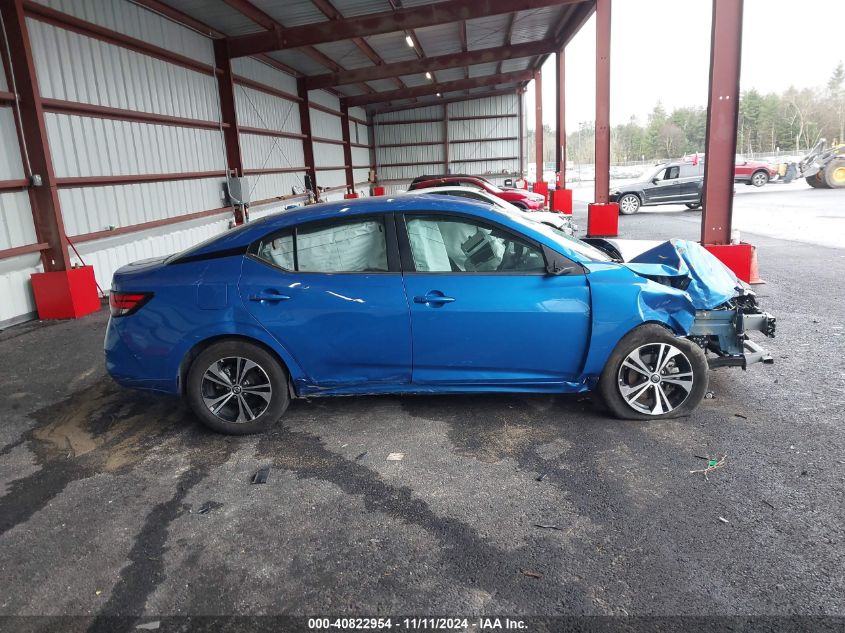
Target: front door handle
(436,299)
(269,295)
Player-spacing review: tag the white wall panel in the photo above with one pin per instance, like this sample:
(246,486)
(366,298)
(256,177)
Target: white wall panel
(132,20)
(325,125)
(11,166)
(85,146)
(333,178)
(358,112)
(265,186)
(359,133)
(73,67)
(502,104)
(261,110)
(16,225)
(324,98)
(414,114)
(91,209)
(483,150)
(264,74)
(265,152)
(15,288)
(484,167)
(360,157)
(410,172)
(478,129)
(3,85)
(409,133)
(420,154)
(109,254)
(327,155)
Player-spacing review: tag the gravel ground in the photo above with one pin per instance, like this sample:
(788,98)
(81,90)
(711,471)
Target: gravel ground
(102,488)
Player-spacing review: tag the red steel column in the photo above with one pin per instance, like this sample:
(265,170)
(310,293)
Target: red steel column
(602,183)
(520,96)
(722,110)
(229,116)
(602,215)
(538,124)
(347,148)
(44,198)
(560,131)
(445,138)
(305,127)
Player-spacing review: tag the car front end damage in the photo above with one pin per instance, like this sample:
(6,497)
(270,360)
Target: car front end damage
(723,310)
(724,333)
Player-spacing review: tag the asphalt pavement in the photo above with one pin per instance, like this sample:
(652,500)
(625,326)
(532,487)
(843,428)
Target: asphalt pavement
(116,502)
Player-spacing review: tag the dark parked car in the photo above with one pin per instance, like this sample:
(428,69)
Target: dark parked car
(668,183)
(424,294)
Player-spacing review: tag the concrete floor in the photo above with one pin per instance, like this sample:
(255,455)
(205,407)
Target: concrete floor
(101,488)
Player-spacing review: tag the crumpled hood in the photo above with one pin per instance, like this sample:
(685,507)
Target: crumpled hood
(709,283)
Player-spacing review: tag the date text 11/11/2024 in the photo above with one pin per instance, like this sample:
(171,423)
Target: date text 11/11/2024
(417,623)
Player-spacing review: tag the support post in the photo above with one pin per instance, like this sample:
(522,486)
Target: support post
(538,124)
(520,97)
(43,194)
(602,215)
(347,147)
(560,130)
(445,138)
(722,111)
(308,141)
(229,117)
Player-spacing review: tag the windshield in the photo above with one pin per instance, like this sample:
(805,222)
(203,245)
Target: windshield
(652,172)
(567,241)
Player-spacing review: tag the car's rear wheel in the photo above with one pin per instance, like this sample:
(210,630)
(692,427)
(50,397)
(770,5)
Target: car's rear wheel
(652,375)
(693,205)
(237,387)
(759,178)
(629,204)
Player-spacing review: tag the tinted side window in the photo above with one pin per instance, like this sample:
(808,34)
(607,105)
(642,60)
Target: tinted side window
(690,171)
(671,173)
(441,244)
(336,247)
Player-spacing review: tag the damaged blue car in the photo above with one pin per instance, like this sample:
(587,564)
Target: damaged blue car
(425,294)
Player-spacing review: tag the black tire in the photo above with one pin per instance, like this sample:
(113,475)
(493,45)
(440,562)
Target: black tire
(693,205)
(233,376)
(834,174)
(644,390)
(760,178)
(816,181)
(629,204)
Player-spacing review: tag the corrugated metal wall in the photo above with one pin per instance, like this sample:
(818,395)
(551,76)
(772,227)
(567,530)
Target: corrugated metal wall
(77,68)
(483,137)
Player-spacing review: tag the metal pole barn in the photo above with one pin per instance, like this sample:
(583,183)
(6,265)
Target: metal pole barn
(538,125)
(560,133)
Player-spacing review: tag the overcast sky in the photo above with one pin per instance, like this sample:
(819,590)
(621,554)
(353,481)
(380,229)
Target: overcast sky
(661,50)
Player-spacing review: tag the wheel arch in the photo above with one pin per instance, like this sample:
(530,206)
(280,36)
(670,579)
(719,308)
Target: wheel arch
(202,345)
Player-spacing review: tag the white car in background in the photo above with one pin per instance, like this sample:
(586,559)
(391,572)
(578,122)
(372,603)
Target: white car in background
(559,221)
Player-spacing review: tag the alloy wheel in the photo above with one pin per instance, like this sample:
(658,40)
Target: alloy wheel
(236,390)
(759,179)
(655,378)
(629,204)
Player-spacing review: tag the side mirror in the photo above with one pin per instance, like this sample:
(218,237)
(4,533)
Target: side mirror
(654,181)
(557,264)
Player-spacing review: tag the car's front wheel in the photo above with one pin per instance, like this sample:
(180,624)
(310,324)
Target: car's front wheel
(629,204)
(652,374)
(237,387)
(759,178)
(693,205)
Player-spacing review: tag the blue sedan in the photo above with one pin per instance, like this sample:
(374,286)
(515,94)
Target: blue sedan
(425,294)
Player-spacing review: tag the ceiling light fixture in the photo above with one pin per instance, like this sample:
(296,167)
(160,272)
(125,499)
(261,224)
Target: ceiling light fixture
(439,95)
(428,75)
(410,41)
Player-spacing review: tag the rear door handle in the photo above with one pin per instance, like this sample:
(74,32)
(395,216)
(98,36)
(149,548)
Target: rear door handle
(269,295)
(436,299)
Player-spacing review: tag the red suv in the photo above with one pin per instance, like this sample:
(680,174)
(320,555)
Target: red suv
(753,172)
(517,197)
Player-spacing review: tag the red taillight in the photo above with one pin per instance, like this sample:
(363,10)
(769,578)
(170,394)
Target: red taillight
(123,303)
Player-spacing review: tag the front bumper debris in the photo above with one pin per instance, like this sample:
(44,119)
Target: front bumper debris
(724,333)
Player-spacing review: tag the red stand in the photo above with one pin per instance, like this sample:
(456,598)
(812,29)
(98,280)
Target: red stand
(66,294)
(378,191)
(350,196)
(603,220)
(740,258)
(543,188)
(562,201)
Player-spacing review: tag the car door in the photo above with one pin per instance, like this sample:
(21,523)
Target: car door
(484,310)
(665,188)
(331,294)
(691,179)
